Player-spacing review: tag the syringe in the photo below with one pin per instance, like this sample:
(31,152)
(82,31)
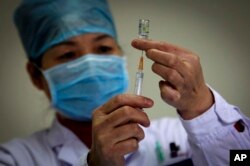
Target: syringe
(139,78)
(143,32)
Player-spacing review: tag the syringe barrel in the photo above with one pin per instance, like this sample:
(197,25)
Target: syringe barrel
(138,83)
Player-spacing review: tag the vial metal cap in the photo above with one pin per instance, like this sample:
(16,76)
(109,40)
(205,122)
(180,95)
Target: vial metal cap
(143,28)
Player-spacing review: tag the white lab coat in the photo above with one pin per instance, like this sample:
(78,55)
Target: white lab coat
(210,136)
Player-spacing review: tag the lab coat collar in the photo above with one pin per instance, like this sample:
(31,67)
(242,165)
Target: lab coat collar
(58,134)
(72,151)
(67,145)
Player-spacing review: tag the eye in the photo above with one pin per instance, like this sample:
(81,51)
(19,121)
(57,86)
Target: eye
(104,49)
(67,56)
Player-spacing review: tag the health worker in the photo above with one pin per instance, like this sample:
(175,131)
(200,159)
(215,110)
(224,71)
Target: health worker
(75,59)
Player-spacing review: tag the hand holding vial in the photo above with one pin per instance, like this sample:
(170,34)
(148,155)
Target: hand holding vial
(183,85)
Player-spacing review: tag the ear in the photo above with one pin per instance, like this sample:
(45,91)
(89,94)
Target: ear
(35,75)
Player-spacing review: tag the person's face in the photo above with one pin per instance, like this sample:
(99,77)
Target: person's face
(70,50)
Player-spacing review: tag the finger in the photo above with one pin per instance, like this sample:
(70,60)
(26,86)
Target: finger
(167,59)
(126,99)
(131,130)
(125,115)
(168,74)
(127,146)
(168,93)
(143,44)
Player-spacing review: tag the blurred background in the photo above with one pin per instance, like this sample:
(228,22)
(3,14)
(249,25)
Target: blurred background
(217,30)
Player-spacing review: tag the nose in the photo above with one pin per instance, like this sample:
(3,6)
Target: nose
(84,51)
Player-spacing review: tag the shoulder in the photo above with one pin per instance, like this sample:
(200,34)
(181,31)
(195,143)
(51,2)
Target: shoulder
(36,140)
(26,150)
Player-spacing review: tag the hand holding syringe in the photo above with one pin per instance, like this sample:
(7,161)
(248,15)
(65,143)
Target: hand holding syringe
(143,34)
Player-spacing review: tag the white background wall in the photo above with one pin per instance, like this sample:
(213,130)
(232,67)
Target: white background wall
(217,30)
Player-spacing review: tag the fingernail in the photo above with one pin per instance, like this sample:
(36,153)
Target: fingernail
(134,43)
(149,101)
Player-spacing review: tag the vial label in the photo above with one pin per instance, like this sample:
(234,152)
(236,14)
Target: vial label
(143,28)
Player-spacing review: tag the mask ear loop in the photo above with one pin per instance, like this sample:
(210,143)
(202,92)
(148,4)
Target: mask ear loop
(35,72)
(51,105)
(37,67)
(41,71)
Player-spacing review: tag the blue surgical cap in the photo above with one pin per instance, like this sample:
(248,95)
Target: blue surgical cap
(45,23)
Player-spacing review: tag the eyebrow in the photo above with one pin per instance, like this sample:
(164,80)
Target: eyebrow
(101,37)
(71,43)
(67,42)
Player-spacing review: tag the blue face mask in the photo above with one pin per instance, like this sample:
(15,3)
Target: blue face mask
(80,86)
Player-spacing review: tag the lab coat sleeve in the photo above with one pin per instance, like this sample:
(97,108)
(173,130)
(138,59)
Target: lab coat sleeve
(6,158)
(213,134)
(13,153)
